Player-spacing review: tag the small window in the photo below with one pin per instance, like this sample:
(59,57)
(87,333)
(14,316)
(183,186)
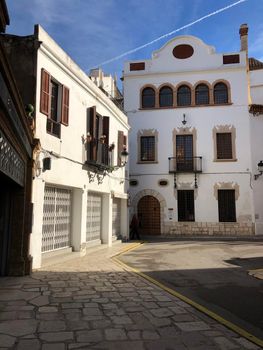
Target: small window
(147,148)
(224,145)
(220,93)
(202,94)
(184,96)
(148,98)
(166,97)
(226,206)
(185,205)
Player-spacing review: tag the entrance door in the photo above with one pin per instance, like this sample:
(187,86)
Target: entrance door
(149,216)
(116,217)
(184,152)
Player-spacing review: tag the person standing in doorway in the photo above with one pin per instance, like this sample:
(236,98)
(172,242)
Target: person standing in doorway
(134,228)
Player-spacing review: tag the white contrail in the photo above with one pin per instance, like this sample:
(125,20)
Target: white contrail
(171,33)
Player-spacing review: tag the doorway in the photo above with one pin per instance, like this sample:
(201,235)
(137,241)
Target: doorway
(149,216)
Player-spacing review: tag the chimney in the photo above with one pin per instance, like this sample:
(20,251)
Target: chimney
(243,31)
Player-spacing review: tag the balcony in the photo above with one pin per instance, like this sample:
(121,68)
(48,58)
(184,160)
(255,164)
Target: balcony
(185,165)
(53,127)
(99,155)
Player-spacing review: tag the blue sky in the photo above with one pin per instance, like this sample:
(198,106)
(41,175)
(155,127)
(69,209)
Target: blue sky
(93,31)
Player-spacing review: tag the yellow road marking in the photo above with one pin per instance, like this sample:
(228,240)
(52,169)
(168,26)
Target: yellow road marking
(197,306)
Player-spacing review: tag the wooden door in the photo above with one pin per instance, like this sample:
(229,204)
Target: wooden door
(149,216)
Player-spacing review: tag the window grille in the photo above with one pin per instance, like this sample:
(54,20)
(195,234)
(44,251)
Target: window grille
(147,148)
(166,97)
(184,96)
(226,206)
(202,95)
(56,231)
(148,98)
(224,145)
(185,200)
(220,93)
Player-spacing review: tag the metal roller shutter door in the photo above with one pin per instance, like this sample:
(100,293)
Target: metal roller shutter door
(94,217)
(116,217)
(56,231)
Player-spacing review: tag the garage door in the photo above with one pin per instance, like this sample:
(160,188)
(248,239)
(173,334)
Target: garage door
(93,228)
(116,217)
(56,219)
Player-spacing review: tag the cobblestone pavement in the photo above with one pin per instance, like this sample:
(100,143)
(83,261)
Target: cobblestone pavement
(92,303)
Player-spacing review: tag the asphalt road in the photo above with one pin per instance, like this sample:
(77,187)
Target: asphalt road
(213,274)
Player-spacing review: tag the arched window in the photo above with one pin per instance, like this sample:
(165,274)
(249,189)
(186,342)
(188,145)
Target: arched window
(184,96)
(148,98)
(220,93)
(202,94)
(166,97)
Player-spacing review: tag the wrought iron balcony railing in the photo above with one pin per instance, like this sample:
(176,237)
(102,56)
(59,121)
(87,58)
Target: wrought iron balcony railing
(185,164)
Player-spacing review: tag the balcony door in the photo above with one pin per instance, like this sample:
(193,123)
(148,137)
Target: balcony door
(184,152)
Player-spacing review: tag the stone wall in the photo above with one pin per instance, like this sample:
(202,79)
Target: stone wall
(209,228)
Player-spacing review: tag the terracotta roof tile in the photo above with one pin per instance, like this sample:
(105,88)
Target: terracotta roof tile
(256,109)
(255,64)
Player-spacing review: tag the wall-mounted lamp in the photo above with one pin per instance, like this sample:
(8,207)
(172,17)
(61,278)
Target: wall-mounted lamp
(46,163)
(260,170)
(184,121)
(124,156)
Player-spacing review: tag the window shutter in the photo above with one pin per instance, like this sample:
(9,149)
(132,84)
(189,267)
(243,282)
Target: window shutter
(65,105)
(105,129)
(125,142)
(120,146)
(91,128)
(45,93)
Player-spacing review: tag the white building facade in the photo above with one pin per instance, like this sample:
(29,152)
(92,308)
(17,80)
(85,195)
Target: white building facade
(195,145)
(79,186)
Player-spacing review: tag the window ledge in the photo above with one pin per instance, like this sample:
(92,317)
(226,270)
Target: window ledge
(225,160)
(147,162)
(189,106)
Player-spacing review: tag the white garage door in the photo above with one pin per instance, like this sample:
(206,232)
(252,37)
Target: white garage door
(56,219)
(93,228)
(116,217)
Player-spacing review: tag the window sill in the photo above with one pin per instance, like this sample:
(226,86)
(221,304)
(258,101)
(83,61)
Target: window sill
(190,106)
(225,160)
(147,162)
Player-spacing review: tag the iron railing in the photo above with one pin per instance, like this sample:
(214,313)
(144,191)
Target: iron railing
(99,154)
(185,164)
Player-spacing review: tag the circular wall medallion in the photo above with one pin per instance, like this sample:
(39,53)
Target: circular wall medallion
(183,51)
(163,182)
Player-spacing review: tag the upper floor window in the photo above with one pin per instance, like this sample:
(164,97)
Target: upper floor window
(184,96)
(224,145)
(148,97)
(166,97)
(54,103)
(202,94)
(147,148)
(220,93)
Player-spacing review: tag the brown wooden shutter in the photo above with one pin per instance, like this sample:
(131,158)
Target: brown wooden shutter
(91,128)
(125,142)
(106,128)
(45,93)
(65,106)
(120,146)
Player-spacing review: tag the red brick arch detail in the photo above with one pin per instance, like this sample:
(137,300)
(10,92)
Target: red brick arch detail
(156,95)
(191,88)
(205,82)
(228,89)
